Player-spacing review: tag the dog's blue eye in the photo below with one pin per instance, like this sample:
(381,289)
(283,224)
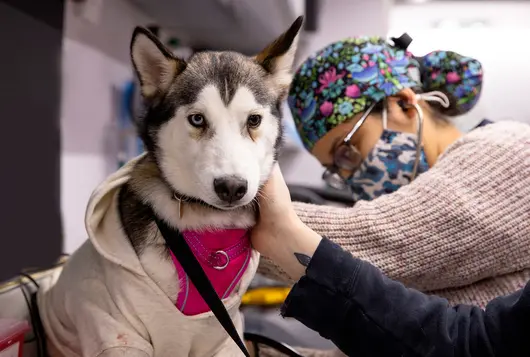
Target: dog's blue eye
(197,120)
(254,120)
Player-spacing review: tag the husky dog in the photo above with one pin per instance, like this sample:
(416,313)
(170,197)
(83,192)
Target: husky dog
(212,130)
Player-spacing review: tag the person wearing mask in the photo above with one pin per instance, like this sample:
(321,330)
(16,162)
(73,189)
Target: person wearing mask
(350,302)
(453,220)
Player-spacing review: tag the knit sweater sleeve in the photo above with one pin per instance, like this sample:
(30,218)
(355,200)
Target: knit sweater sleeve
(466,219)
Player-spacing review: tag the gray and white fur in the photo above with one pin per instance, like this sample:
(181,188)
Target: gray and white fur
(212,130)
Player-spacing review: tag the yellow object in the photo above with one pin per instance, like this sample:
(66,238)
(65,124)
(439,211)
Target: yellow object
(265,296)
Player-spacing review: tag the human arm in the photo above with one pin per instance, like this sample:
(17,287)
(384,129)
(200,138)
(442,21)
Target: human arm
(350,302)
(464,220)
(364,313)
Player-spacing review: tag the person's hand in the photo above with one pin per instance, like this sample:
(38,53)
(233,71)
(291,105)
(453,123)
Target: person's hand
(280,234)
(277,217)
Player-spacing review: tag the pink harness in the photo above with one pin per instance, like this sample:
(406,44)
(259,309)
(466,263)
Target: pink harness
(224,257)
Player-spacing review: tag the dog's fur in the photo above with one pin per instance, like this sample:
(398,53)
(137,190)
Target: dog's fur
(175,179)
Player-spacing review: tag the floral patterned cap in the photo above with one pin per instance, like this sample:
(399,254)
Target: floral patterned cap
(453,74)
(347,76)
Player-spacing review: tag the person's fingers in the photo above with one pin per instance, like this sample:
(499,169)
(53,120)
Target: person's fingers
(267,192)
(275,180)
(276,173)
(278,176)
(275,190)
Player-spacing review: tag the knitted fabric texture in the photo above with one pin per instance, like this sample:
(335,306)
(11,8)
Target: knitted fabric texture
(265,351)
(460,230)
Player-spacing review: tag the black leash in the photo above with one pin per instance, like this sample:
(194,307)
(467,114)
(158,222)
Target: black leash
(281,347)
(176,242)
(39,335)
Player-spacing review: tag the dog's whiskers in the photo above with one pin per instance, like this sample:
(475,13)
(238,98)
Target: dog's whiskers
(256,201)
(263,196)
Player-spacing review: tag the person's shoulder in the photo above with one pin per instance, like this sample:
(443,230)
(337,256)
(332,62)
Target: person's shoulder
(502,132)
(509,135)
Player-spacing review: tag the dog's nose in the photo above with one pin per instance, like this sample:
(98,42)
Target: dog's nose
(230,188)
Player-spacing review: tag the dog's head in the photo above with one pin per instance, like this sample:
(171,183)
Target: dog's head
(213,123)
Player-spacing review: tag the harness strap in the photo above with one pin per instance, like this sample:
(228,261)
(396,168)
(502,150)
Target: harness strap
(177,244)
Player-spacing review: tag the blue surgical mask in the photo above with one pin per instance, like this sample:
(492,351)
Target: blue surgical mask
(392,162)
(388,166)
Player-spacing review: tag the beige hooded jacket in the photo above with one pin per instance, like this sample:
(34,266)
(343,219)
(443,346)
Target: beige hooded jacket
(104,303)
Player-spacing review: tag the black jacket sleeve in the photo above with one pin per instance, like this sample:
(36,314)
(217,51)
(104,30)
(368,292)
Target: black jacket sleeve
(365,313)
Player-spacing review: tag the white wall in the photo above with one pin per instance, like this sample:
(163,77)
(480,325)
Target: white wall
(339,19)
(500,46)
(95,62)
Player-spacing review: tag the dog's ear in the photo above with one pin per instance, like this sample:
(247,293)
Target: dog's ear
(278,57)
(153,63)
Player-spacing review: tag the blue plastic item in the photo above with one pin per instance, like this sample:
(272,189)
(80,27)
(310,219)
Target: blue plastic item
(130,145)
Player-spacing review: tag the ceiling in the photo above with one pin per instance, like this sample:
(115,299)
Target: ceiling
(430,1)
(242,25)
